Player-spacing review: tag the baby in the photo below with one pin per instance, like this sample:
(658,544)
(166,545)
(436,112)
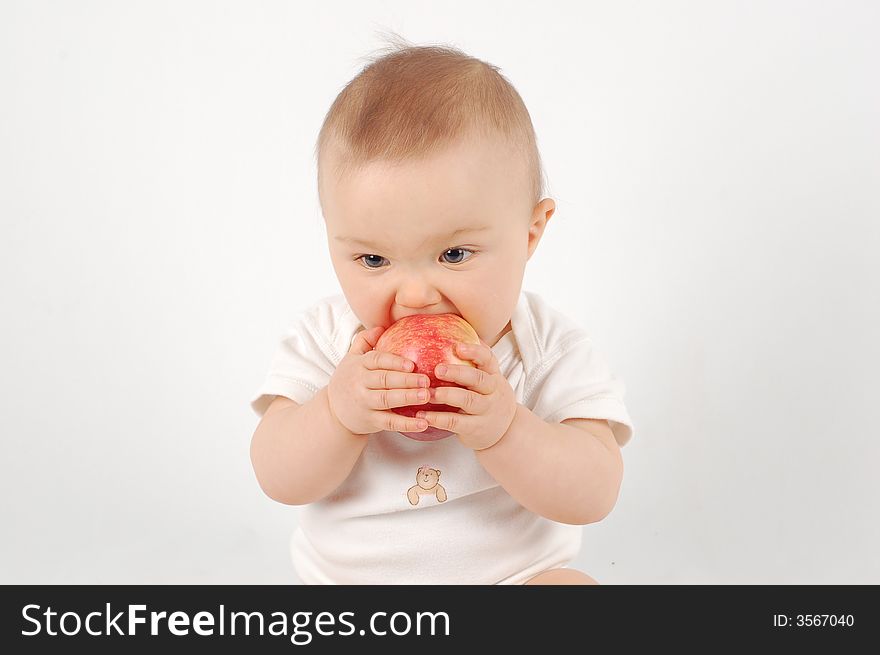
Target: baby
(430,184)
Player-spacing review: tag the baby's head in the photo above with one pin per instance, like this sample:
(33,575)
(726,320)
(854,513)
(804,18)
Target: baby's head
(431,186)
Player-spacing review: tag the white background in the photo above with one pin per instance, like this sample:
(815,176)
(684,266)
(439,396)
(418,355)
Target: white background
(715,166)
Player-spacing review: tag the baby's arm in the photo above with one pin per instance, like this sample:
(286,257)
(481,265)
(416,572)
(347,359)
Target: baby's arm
(301,453)
(565,473)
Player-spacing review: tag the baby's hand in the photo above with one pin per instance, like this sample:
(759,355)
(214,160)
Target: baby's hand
(488,402)
(367,384)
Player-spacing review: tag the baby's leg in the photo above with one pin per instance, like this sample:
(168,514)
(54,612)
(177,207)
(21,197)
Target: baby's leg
(561,576)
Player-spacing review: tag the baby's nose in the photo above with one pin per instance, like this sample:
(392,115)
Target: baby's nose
(416,293)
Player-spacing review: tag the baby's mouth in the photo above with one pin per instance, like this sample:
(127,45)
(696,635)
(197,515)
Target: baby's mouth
(426,314)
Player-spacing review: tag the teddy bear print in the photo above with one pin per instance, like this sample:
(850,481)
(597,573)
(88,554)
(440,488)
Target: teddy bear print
(427,482)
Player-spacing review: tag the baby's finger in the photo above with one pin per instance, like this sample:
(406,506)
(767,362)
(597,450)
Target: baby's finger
(385,379)
(470,402)
(379,359)
(450,421)
(481,355)
(390,398)
(396,423)
(467,376)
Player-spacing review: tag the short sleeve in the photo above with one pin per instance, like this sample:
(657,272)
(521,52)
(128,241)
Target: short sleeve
(302,364)
(576,382)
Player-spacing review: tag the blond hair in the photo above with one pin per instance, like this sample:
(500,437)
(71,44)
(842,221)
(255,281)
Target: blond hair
(415,100)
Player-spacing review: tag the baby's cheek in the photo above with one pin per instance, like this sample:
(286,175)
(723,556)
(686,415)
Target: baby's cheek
(369,313)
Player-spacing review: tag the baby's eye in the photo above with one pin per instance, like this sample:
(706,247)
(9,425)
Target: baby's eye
(458,250)
(371,258)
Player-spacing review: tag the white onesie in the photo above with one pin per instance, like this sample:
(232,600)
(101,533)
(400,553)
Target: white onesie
(413,512)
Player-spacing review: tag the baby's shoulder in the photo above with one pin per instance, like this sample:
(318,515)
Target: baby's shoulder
(328,323)
(326,313)
(549,331)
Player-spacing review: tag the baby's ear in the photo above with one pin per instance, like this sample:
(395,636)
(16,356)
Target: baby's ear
(438,472)
(541,214)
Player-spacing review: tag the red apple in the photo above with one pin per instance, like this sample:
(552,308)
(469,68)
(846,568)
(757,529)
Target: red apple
(428,340)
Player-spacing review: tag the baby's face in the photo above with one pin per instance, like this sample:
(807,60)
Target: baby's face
(450,234)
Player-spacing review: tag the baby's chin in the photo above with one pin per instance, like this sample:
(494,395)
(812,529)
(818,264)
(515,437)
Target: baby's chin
(491,340)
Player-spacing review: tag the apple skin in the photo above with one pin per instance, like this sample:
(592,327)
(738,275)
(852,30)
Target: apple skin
(428,340)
